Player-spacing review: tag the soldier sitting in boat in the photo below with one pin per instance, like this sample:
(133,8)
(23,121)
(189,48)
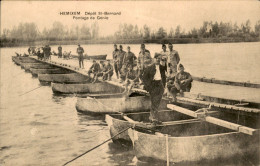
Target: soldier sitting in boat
(94,69)
(108,71)
(181,83)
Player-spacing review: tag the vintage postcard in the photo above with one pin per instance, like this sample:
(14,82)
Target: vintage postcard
(129,83)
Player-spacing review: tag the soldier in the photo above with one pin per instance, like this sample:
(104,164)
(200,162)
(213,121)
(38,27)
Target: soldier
(164,53)
(128,62)
(94,69)
(182,82)
(47,52)
(119,61)
(115,53)
(80,52)
(108,71)
(129,58)
(60,51)
(143,60)
(29,50)
(173,59)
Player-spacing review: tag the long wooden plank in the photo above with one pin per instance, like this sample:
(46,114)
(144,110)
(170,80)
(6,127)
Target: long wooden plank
(225,82)
(219,122)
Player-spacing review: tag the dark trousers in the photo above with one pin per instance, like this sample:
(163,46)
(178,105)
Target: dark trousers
(184,87)
(60,55)
(156,92)
(108,75)
(117,67)
(81,61)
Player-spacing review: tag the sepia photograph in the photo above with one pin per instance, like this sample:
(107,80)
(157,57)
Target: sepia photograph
(120,83)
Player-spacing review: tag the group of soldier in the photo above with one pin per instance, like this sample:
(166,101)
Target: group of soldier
(42,53)
(160,75)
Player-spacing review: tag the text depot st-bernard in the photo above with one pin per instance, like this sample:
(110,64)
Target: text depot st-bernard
(90,13)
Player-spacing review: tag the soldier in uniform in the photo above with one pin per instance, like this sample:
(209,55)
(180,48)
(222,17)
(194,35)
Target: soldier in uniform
(60,51)
(29,50)
(119,61)
(115,53)
(80,52)
(143,60)
(164,53)
(173,59)
(94,69)
(108,71)
(47,52)
(128,62)
(181,83)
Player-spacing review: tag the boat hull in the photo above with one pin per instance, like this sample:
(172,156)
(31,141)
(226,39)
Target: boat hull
(186,145)
(37,66)
(117,124)
(90,88)
(113,105)
(35,72)
(62,78)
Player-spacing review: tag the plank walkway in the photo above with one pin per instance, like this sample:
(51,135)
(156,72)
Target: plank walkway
(208,89)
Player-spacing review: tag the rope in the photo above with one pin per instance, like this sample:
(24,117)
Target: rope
(167,150)
(96,146)
(30,91)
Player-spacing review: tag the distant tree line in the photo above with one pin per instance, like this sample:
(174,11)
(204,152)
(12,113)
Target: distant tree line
(128,33)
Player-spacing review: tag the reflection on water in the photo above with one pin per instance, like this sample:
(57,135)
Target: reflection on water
(41,128)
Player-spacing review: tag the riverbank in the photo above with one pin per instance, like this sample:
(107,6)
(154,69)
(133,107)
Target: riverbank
(16,43)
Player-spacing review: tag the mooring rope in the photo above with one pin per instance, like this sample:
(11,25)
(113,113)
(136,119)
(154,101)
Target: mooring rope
(30,90)
(96,146)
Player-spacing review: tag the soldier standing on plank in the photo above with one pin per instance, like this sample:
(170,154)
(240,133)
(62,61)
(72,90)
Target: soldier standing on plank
(115,53)
(80,52)
(173,59)
(144,59)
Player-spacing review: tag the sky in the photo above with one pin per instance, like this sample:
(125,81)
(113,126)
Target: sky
(187,14)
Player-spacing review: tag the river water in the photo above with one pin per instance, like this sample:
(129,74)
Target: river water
(40,128)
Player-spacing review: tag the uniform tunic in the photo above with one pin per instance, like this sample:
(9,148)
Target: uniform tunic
(129,59)
(144,59)
(173,59)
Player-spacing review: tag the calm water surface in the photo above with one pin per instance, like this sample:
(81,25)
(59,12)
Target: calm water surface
(40,128)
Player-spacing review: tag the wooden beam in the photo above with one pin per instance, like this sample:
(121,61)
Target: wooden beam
(216,121)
